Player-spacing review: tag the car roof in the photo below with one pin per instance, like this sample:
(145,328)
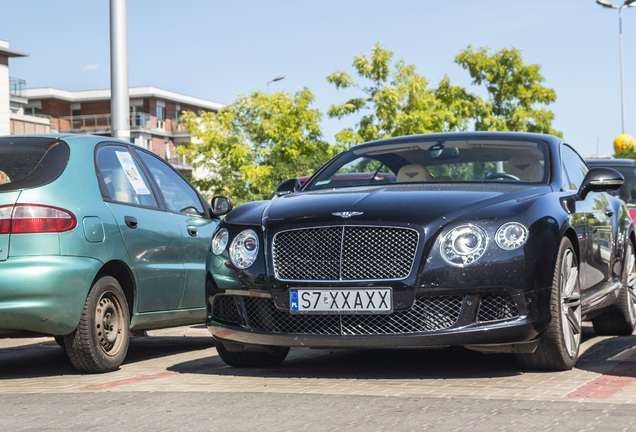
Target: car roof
(463,135)
(611,162)
(72,138)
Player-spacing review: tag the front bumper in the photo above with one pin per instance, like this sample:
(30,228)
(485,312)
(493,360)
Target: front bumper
(472,319)
(45,294)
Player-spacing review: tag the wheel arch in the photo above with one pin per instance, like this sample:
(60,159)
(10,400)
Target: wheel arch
(120,271)
(571,235)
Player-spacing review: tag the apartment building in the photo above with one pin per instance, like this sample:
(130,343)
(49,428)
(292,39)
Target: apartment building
(12,98)
(154,115)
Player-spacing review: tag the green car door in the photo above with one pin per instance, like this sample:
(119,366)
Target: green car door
(186,206)
(152,236)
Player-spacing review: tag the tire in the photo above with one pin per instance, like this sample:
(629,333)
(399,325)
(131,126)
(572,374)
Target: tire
(244,356)
(621,320)
(558,348)
(59,340)
(100,342)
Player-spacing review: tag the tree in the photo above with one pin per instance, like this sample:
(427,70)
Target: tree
(625,154)
(399,102)
(251,145)
(514,89)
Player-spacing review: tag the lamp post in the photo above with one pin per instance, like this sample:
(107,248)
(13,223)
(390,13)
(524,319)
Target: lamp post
(280,77)
(607,4)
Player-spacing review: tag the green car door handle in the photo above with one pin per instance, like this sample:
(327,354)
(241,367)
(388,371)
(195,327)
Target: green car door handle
(131,222)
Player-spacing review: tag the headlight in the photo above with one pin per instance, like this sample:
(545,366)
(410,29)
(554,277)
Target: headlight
(244,249)
(219,241)
(511,235)
(464,245)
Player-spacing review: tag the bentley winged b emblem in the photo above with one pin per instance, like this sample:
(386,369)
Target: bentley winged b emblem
(347,214)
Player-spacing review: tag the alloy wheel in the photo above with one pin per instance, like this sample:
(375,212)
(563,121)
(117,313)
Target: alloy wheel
(570,303)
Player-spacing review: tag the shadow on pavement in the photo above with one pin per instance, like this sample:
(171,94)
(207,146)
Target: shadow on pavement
(44,359)
(603,357)
(448,363)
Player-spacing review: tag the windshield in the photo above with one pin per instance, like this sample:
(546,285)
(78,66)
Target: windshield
(467,160)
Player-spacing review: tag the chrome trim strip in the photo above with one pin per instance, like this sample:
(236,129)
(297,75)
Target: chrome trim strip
(262,294)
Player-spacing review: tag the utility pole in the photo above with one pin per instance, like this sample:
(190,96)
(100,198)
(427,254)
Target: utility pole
(119,103)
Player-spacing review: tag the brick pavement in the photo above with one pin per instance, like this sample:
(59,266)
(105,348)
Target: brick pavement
(184,359)
(182,365)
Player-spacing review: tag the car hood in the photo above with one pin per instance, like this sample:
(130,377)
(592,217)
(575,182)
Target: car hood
(402,204)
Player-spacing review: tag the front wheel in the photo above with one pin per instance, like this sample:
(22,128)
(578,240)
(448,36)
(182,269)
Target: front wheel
(251,356)
(100,341)
(558,348)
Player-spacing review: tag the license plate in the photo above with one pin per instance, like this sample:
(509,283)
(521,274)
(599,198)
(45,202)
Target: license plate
(341,301)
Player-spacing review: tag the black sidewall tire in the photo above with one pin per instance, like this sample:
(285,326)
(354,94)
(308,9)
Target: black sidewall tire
(551,352)
(273,357)
(619,321)
(89,347)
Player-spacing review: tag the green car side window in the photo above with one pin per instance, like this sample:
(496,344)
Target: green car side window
(180,197)
(123,178)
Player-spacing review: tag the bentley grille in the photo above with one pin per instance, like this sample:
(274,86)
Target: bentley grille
(344,253)
(427,314)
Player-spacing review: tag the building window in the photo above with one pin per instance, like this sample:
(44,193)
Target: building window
(33,110)
(166,148)
(161,116)
(137,117)
(76,121)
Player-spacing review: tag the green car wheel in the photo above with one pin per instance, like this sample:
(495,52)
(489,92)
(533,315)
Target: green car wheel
(100,342)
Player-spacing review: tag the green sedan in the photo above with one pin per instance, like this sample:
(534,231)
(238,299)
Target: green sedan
(98,238)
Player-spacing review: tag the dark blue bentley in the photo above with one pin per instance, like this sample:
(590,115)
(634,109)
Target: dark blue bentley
(499,242)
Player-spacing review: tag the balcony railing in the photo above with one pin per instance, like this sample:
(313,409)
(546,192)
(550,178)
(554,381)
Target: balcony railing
(102,122)
(17,87)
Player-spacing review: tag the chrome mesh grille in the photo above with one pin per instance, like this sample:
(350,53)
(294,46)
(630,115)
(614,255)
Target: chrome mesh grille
(427,314)
(344,253)
(495,307)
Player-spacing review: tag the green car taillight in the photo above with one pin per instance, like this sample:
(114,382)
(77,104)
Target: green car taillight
(33,218)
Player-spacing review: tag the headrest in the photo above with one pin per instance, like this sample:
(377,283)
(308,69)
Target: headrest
(413,173)
(526,167)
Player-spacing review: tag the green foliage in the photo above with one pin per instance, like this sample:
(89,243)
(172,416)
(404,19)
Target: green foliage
(256,142)
(625,154)
(397,101)
(513,88)
(259,140)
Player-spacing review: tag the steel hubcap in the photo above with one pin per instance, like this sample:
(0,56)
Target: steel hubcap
(108,323)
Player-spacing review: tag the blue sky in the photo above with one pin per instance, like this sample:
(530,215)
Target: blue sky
(217,50)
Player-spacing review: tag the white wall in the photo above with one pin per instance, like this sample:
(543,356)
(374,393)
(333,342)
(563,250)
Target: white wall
(5,125)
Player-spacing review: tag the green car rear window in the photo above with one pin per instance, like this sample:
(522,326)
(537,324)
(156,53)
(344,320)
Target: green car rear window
(28,162)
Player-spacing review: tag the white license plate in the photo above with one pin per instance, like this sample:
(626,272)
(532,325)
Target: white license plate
(341,301)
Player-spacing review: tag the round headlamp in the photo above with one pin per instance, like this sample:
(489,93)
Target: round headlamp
(244,249)
(219,241)
(511,235)
(464,245)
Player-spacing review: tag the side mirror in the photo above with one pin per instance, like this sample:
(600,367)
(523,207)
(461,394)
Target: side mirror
(221,205)
(600,179)
(287,187)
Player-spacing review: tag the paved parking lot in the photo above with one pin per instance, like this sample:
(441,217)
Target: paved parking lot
(174,380)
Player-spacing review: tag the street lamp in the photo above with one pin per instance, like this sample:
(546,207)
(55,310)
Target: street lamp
(607,4)
(280,77)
